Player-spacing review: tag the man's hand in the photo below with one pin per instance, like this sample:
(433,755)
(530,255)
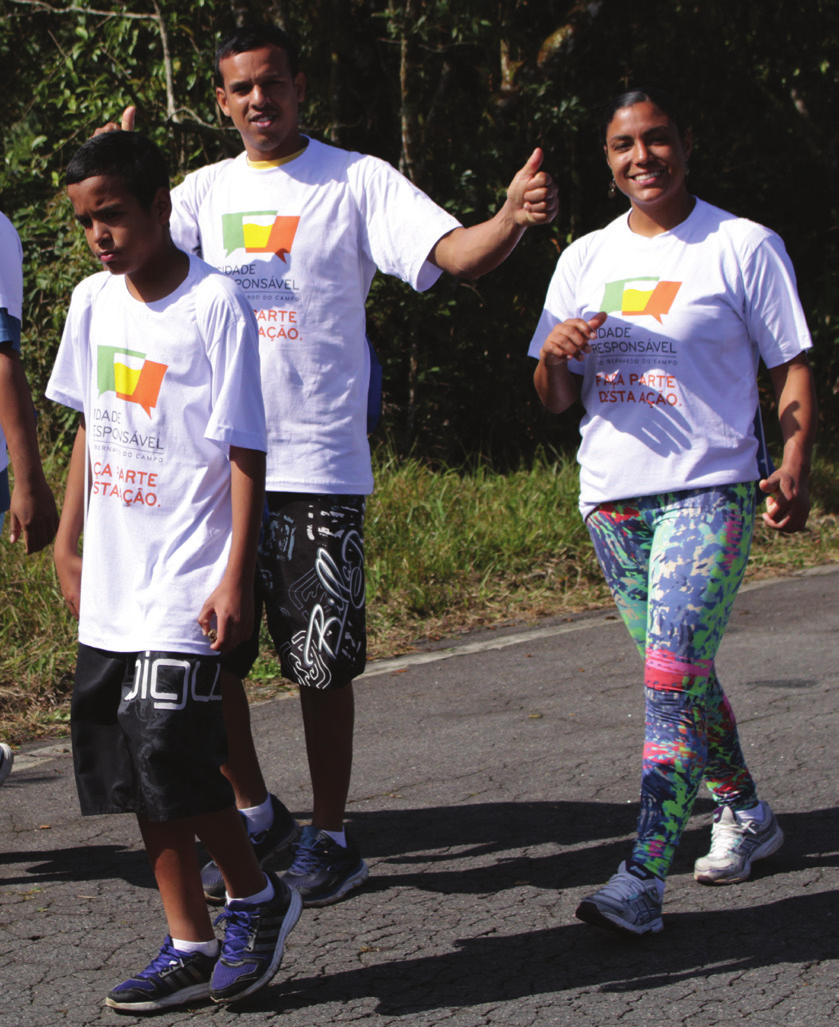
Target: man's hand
(125,125)
(533,193)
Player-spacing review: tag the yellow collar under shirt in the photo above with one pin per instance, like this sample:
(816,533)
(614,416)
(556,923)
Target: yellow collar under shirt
(263,165)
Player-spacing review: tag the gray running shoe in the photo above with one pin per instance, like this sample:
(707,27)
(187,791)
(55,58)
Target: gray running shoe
(737,840)
(323,871)
(283,831)
(626,904)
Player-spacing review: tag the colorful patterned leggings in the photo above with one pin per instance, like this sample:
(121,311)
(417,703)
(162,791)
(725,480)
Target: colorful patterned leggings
(674,562)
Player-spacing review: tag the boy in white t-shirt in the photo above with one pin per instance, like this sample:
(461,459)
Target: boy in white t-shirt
(159,355)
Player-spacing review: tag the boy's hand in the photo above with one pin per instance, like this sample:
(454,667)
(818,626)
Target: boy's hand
(68,566)
(226,618)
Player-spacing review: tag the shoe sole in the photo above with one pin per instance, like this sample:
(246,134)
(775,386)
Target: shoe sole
(218,898)
(178,998)
(295,908)
(590,913)
(355,880)
(718,877)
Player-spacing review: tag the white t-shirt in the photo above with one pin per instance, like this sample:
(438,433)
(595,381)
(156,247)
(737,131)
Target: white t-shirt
(166,388)
(304,240)
(670,389)
(11,298)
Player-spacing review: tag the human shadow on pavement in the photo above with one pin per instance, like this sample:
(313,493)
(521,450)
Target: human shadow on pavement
(83,863)
(502,967)
(485,847)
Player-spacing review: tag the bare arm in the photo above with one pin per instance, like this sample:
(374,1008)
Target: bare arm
(32,513)
(68,562)
(231,603)
(558,387)
(471,252)
(788,505)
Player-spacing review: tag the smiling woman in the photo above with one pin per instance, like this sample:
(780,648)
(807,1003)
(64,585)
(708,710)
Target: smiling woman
(657,324)
(648,149)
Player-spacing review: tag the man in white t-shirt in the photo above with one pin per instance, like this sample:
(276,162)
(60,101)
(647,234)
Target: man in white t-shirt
(302,227)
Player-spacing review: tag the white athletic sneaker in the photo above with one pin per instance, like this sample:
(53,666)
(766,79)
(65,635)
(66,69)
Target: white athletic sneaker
(626,904)
(737,839)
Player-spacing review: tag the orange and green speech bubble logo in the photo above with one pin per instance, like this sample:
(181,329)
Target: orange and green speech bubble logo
(259,231)
(127,373)
(633,297)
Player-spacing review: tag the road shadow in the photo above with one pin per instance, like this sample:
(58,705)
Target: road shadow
(480,848)
(82,863)
(493,969)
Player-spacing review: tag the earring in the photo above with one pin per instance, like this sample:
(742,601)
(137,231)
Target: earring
(613,189)
(687,169)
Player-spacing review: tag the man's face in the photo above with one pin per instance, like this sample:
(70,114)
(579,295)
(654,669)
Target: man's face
(262,98)
(125,237)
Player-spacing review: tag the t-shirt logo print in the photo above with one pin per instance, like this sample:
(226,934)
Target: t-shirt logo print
(634,297)
(130,375)
(259,231)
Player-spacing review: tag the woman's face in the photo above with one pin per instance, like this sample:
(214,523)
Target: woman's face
(647,155)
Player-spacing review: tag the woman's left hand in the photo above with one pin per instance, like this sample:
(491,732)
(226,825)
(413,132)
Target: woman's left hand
(788,502)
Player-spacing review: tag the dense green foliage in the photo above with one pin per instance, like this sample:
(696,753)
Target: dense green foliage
(456,93)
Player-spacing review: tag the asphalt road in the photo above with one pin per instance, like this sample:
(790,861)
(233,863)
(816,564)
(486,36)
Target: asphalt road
(495,784)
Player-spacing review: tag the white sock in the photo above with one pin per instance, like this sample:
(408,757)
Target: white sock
(340,837)
(260,817)
(757,813)
(209,948)
(265,895)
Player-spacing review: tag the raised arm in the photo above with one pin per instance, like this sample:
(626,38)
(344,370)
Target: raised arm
(788,505)
(471,252)
(32,513)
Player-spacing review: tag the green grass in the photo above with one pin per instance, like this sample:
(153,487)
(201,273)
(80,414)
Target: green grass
(447,550)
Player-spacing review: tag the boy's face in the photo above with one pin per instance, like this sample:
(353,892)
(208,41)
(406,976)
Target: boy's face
(262,99)
(121,233)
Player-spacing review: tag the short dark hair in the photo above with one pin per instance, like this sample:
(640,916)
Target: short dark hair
(127,155)
(645,94)
(253,37)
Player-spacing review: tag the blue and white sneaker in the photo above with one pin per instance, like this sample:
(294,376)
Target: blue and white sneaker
(252,949)
(171,979)
(283,831)
(627,904)
(323,871)
(737,840)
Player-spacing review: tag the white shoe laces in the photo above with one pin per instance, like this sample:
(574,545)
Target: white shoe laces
(726,833)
